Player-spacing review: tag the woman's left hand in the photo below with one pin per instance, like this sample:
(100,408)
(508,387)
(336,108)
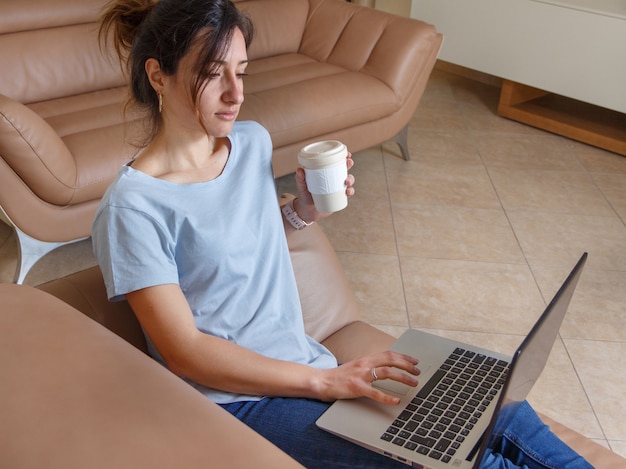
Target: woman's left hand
(304,205)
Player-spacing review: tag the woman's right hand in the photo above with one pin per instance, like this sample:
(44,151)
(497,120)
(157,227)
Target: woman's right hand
(355,378)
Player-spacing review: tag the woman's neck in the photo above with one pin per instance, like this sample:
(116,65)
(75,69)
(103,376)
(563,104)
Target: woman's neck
(186,160)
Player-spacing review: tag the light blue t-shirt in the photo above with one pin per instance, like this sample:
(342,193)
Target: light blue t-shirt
(222,241)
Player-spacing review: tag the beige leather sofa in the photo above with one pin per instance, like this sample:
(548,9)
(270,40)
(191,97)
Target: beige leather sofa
(74,394)
(319,69)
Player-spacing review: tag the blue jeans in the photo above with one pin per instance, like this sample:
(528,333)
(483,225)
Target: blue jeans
(290,425)
(527,442)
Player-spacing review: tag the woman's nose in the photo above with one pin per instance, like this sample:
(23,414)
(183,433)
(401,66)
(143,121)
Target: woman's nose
(234,90)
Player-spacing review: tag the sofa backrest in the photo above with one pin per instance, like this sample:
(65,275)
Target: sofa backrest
(278,25)
(65,59)
(64,56)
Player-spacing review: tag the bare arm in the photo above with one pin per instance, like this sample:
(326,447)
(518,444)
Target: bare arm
(166,317)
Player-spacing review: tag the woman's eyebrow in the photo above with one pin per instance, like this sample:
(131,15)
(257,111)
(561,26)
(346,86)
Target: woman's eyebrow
(224,62)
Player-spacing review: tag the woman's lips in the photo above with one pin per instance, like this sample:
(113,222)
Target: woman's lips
(227,115)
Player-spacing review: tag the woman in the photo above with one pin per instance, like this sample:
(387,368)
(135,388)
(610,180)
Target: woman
(190,233)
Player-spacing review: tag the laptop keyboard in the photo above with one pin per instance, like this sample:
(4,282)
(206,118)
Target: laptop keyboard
(443,412)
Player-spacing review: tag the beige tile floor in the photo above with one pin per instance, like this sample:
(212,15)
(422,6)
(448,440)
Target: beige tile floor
(474,235)
(469,240)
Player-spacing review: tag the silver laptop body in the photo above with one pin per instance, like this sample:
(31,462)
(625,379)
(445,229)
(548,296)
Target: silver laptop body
(466,396)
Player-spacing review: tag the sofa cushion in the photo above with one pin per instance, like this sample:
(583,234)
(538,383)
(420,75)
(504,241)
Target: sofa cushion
(328,302)
(86,292)
(286,69)
(306,89)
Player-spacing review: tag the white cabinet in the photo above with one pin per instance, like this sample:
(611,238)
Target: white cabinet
(571,49)
(574,48)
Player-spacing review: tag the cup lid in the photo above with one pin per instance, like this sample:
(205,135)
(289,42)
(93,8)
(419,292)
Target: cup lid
(322,153)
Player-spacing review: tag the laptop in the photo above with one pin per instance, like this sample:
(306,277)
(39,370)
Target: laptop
(465,399)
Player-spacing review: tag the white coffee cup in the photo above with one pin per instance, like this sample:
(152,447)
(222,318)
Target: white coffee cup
(326,172)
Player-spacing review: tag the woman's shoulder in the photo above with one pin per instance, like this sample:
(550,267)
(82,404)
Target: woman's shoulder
(129,188)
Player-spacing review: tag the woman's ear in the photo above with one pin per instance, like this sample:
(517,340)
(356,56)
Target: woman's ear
(155,75)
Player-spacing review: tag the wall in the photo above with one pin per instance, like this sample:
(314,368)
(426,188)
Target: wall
(398,7)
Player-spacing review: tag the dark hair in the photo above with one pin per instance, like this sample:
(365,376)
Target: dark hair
(166,30)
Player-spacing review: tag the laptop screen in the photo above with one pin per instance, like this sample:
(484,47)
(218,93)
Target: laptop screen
(529,360)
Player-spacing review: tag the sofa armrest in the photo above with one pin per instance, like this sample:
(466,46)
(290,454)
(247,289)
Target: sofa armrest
(75,395)
(390,48)
(36,153)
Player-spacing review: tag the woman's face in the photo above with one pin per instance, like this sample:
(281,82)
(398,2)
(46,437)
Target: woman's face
(221,96)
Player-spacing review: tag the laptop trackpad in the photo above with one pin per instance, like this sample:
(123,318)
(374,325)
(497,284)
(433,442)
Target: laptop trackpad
(395,387)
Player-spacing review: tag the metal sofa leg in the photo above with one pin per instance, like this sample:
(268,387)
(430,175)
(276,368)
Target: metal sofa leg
(401,139)
(29,251)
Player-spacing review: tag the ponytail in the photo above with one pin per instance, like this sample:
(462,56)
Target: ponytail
(123,18)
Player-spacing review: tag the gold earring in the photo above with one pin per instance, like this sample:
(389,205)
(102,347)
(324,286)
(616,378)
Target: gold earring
(160,101)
